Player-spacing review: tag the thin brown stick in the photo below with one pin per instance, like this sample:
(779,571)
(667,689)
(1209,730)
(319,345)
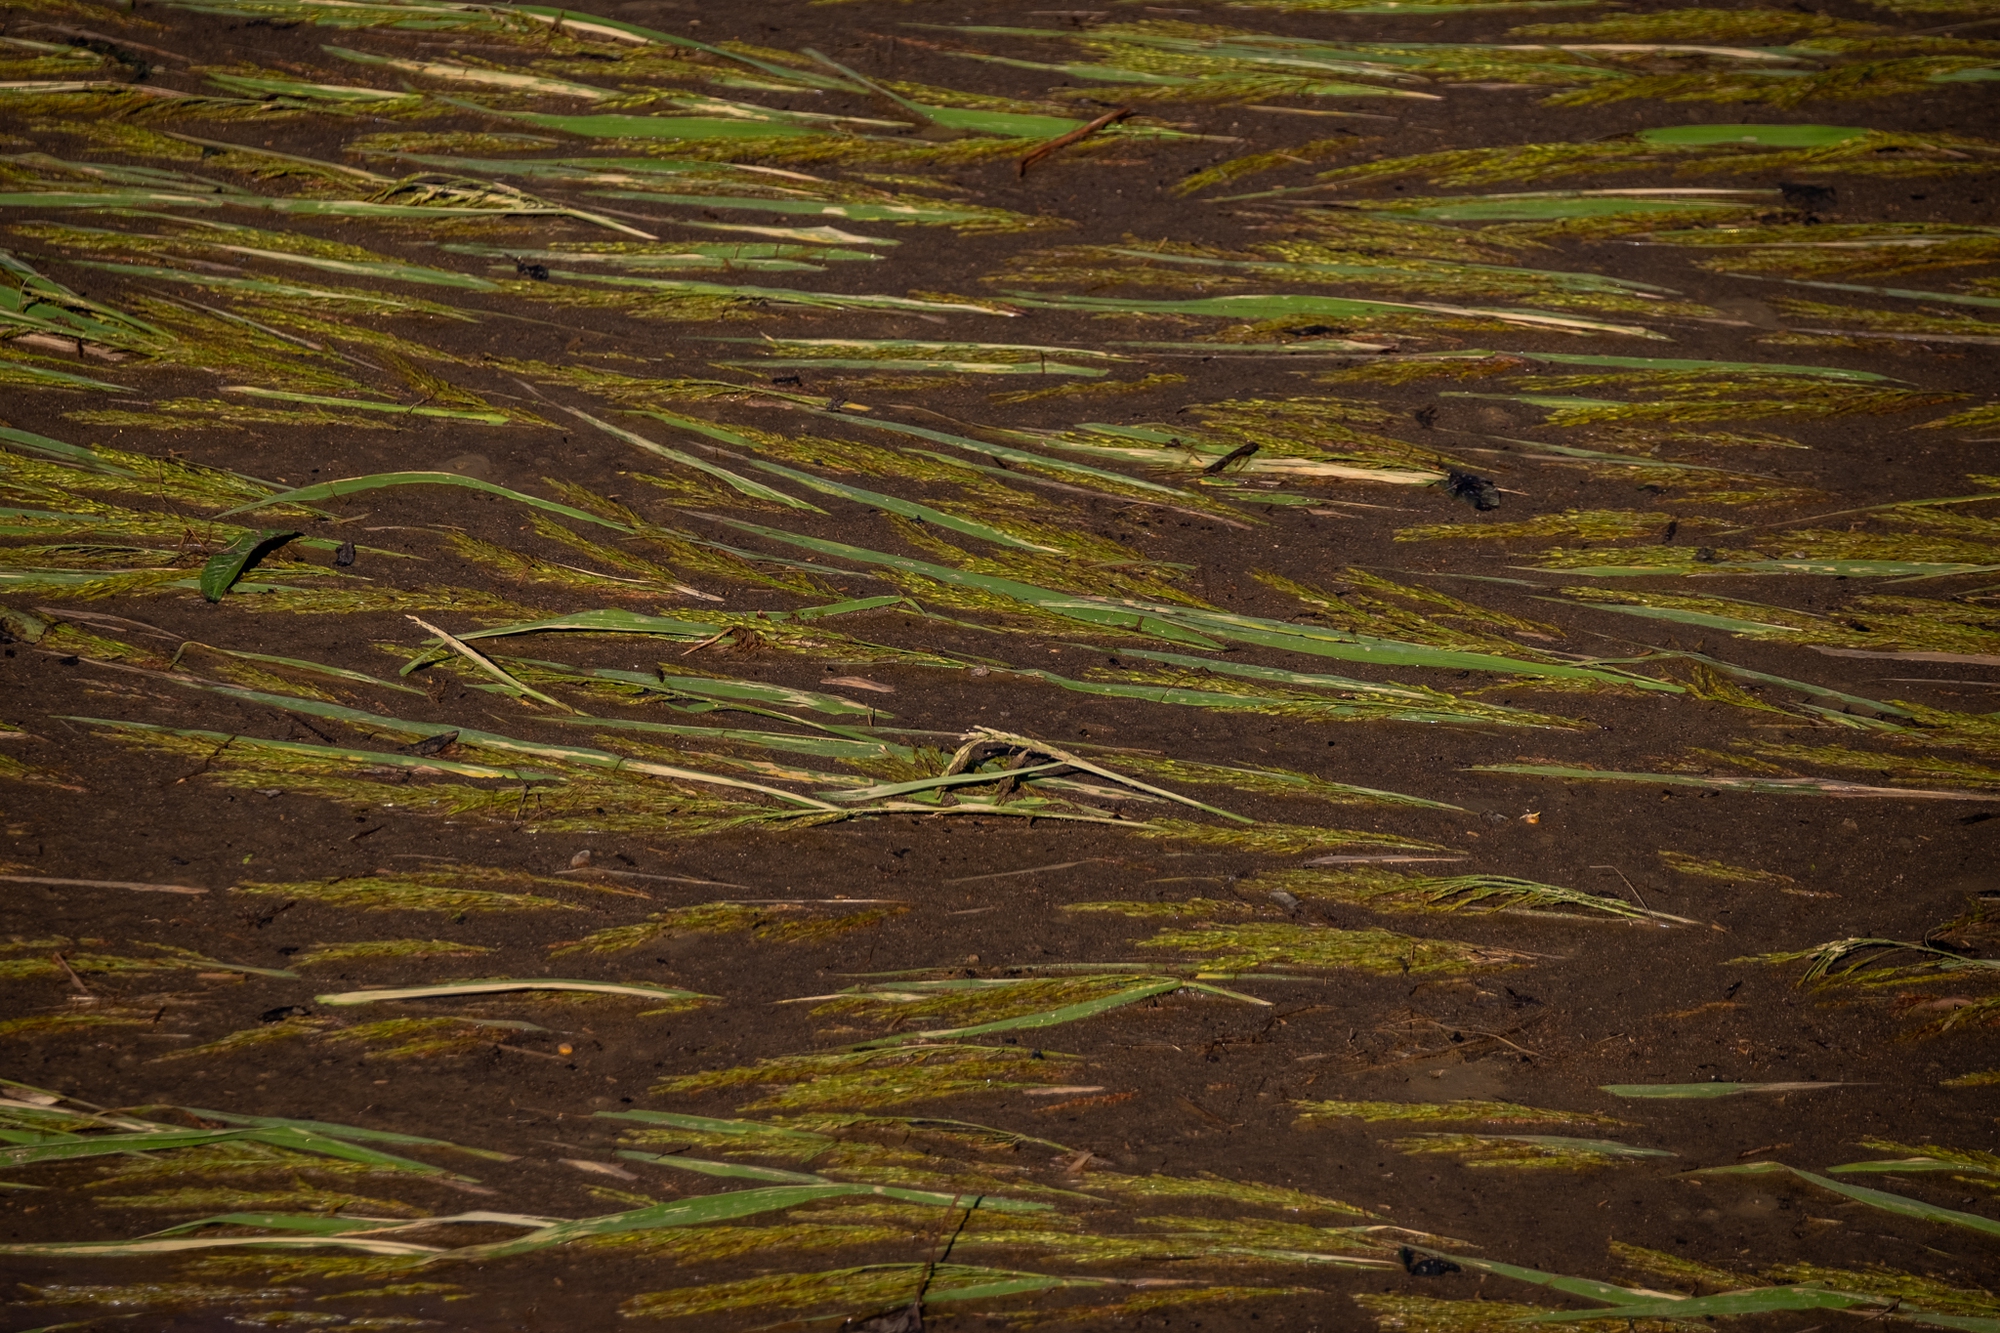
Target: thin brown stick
(70,972)
(1062,141)
(1628,884)
(102,884)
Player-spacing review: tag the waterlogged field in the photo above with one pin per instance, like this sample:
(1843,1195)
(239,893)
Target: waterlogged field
(1302,664)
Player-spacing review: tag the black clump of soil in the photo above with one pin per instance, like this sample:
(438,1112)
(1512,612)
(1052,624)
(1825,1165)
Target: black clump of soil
(1479,492)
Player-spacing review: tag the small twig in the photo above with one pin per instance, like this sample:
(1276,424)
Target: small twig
(718,635)
(1062,141)
(491,668)
(1241,451)
(930,1269)
(206,762)
(1628,884)
(70,972)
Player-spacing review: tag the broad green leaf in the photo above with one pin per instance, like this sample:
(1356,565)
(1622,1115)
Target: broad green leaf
(227,565)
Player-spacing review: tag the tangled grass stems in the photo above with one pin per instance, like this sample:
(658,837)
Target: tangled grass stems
(1535,1152)
(866,1079)
(1387,890)
(1243,947)
(1452,1112)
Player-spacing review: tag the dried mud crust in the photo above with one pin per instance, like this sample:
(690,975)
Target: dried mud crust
(1245,881)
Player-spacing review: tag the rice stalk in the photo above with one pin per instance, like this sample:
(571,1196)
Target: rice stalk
(835,1292)
(1210,1186)
(1535,1152)
(866,1079)
(1272,839)
(450,890)
(1463,1110)
(206,1201)
(773,922)
(364,949)
(1387,890)
(1246,946)
(1684,864)
(1429,1314)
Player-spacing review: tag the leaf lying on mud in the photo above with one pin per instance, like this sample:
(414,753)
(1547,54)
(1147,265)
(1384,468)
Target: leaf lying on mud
(225,567)
(1699,1091)
(1902,1205)
(1502,1113)
(505,985)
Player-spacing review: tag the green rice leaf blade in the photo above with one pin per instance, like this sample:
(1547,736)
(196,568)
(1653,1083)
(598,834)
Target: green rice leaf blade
(226,566)
(505,985)
(1901,1205)
(327,490)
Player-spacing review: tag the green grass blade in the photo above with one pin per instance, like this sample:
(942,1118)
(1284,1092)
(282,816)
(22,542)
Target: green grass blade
(756,489)
(327,490)
(1900,1204)
(368,405)
(907,508)
(1760,1300)
(297,663)
(734,1170)
(134,1249)
(1683,1091)
(1588,1288)
(347,754)
(491,740)
(489,667)
(1068,1013)
(1763,136)
(1756,786)
(327,1129)
(98,1145)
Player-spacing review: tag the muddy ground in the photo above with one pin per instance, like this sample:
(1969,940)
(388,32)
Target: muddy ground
(121,851)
